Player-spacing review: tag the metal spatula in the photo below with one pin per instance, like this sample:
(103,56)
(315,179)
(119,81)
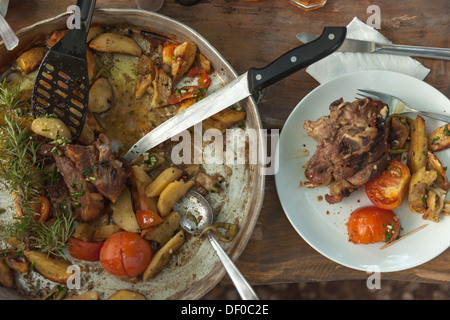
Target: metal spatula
(62,83)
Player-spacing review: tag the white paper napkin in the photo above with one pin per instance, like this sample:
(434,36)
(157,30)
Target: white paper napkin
(340,63)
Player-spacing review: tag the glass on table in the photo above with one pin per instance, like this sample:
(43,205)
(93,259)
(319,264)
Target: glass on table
(149,5)
(309,4)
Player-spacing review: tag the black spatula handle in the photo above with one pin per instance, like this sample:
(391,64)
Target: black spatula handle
(329,41)
(87,11)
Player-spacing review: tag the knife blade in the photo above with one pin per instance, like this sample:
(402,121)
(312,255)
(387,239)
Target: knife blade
(4,7)
(242,87)
(7,34)
(353,45)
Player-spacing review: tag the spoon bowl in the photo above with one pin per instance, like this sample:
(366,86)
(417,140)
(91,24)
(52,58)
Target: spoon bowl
(197,214)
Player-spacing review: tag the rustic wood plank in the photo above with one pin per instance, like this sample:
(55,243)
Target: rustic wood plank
(252,34)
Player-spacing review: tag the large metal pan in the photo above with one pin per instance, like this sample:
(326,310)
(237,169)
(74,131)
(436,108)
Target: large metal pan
(196,270)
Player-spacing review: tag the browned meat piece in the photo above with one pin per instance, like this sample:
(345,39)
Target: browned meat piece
(352,147)
(110,174)
(84,157)
(86,202)
(98,164)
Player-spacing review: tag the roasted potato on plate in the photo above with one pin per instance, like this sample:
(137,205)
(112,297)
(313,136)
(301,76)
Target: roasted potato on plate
(419,184)
(439,139)
(417,155)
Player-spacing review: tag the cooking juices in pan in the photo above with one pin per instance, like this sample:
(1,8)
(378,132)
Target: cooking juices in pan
(137,81)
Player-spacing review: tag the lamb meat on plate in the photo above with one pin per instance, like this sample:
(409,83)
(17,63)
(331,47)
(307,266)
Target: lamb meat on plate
(351,147)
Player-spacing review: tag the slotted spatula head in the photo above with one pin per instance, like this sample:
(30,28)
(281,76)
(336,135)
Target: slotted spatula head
(62,82)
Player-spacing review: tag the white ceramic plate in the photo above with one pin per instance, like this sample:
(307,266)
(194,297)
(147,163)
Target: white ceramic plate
(322,225)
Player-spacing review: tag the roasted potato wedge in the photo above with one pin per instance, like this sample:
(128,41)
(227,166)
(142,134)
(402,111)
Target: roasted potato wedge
(94,32)
(123,214)
(446,208)
(31,59)
(100,96)
(115,43)
(91,65)
(230,115)
(146,73)
(211,123)
(435,203)
(417,155)
(169,175)
(171,194)
(52,128)
(6,276)
(53,269)
(104,232)
(186,104)
(204,62)
(127,295)
(16,261)
(439,139)
(419,184)
(162,257)
(184,56)
(85,230)
(433,163)
(163,232)
(139,181)
(162,88)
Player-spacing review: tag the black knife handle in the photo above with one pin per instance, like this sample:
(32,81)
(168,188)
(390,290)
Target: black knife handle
(87,11)
(329,41)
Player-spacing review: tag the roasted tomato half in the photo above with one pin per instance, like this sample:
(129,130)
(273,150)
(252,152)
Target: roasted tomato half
(371,224)
(88,251)
(125,254)
(389,188)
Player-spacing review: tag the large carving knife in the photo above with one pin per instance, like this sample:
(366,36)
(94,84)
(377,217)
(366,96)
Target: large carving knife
(244,86)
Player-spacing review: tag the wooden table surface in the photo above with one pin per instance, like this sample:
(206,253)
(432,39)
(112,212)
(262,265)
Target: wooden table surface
(252,34)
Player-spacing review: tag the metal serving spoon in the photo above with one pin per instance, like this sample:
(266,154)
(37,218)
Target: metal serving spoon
(195,205)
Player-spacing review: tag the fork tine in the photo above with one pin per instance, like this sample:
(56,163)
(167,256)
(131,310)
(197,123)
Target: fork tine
(374,95)
(361,95)
(365,94)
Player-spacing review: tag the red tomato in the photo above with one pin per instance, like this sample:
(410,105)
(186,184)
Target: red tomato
(188,92)
(371,224)
(88,251)
(204,80)
(125,254)
(148,218)
(389,188)
(42,209)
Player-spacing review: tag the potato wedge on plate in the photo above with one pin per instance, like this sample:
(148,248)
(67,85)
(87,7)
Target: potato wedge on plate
(417,155)
(439,139)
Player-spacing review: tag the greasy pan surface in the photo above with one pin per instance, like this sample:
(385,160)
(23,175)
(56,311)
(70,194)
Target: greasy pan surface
(195,269)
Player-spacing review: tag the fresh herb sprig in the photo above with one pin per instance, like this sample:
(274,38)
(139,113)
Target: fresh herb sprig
(24,171)
(21,166)
(50,237)
(11,98)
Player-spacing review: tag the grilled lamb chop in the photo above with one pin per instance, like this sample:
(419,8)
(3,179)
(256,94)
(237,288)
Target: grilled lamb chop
(87,203)
(352,147)
(98,164)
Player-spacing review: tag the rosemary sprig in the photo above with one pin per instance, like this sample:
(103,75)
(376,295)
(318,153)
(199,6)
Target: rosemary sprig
(21,166)
(50,237)
(24,171)
(11,97)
